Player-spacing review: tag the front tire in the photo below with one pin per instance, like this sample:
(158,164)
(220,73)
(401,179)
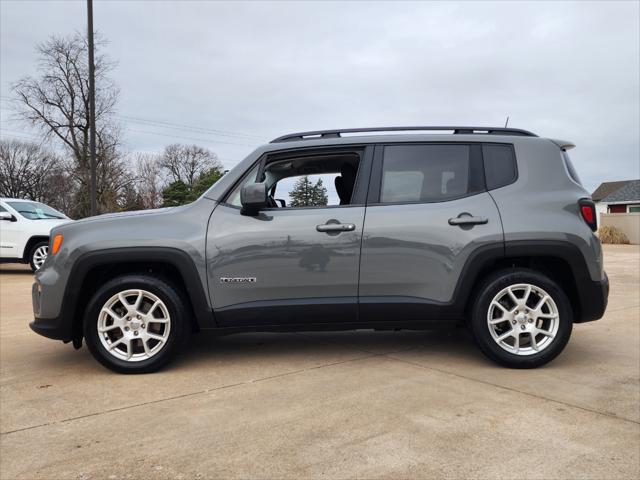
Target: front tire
(135,323)
(521,318)
(38,254)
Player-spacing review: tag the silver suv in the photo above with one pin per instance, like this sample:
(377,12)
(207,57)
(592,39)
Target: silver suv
(341,230)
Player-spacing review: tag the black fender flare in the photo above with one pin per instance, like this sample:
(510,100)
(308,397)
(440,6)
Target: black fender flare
(174,257)
(590,295)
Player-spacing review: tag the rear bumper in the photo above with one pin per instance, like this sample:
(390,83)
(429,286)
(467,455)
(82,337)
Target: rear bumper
(594,297)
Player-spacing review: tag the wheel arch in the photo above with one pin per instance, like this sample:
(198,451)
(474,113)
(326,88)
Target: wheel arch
(561,261)
(30,243)
(95,268)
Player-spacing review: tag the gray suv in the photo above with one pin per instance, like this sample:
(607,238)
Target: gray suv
(341,230)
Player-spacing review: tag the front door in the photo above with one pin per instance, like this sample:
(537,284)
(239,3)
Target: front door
(11,241)
(294,263)
(427,214)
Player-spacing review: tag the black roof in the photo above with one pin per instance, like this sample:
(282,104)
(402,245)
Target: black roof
(607,188)
(629,192)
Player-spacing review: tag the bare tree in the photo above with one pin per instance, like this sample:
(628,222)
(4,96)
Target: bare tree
(185,163)
(25,169)
(57,102)
(149,179)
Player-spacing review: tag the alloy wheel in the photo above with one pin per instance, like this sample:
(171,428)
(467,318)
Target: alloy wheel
(523,319)
(134,325)
(40,255)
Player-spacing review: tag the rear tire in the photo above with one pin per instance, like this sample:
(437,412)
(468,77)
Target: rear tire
(38,254)
(136,323)
(521,318)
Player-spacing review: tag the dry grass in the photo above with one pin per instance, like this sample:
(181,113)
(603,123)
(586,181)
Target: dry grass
(613,235)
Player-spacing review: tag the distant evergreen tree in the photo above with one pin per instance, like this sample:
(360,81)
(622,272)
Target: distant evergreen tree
(176,193)
(320,197)
(306,194)
(204,181)
(180,193)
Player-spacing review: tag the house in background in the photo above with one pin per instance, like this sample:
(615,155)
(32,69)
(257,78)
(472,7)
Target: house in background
(617,197)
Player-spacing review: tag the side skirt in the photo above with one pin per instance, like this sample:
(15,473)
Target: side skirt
(336,327)
(336,313)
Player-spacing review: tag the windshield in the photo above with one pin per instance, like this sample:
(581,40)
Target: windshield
(35,210)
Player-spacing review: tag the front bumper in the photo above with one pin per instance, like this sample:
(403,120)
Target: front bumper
(594,297)
(53,327)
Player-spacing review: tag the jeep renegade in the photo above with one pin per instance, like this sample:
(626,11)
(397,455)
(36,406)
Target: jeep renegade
(429,228)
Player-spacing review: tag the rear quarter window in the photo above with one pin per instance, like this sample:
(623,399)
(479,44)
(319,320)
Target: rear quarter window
(499,165)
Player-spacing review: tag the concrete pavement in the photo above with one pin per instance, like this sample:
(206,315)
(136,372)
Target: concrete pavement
(332,405)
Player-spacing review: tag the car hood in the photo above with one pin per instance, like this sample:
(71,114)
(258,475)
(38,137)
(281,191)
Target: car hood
(52,222)
(119,215)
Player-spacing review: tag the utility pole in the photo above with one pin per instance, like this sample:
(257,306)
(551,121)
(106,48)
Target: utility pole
(92,111)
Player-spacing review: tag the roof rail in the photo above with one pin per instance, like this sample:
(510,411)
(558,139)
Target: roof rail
(318,134)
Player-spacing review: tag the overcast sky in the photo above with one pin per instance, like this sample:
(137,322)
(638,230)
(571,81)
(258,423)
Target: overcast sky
(244,73)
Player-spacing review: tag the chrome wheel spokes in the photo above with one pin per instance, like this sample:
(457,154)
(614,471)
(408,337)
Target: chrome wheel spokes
(134,325)
(523,319)
(40,255)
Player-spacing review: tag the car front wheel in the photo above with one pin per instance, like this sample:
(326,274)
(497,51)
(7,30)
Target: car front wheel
(521,318)
(135,324)
(38,255)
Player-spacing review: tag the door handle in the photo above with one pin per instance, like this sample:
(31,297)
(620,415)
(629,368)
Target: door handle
(468,219)
(336,227)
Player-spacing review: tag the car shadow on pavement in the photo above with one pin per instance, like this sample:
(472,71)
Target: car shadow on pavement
(15,270)
(455,345)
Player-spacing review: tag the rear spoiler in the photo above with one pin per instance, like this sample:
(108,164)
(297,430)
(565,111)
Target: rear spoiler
(564,144)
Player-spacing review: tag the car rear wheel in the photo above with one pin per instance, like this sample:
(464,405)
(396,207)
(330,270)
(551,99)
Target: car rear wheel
(38,255)
(521,318)
(135,324)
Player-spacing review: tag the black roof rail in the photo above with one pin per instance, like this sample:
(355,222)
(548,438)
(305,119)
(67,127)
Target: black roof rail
(318,134)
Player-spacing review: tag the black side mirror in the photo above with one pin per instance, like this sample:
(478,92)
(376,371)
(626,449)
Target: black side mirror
(253,198)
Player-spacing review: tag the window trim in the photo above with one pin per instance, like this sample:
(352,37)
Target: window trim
(375,183)
(365,151)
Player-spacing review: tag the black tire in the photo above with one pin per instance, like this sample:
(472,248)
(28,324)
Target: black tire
(491,287)
(32,252)
(176,307)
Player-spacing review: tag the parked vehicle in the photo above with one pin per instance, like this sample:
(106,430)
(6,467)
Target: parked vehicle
(488,226)
(24,231)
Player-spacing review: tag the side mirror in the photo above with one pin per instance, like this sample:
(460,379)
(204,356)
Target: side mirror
(7,217)
(253,198)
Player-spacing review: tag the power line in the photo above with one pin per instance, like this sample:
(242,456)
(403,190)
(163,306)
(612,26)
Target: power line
(22,134)
(177,126)
(211,141)
(189,128)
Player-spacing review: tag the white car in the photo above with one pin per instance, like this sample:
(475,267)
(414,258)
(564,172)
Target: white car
(24,231)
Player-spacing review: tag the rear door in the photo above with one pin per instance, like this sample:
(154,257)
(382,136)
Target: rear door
(428,212)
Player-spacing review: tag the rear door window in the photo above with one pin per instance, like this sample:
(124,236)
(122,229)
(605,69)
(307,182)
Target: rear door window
(428,173)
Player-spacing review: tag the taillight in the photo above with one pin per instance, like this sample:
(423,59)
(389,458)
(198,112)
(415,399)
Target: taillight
(588,212)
